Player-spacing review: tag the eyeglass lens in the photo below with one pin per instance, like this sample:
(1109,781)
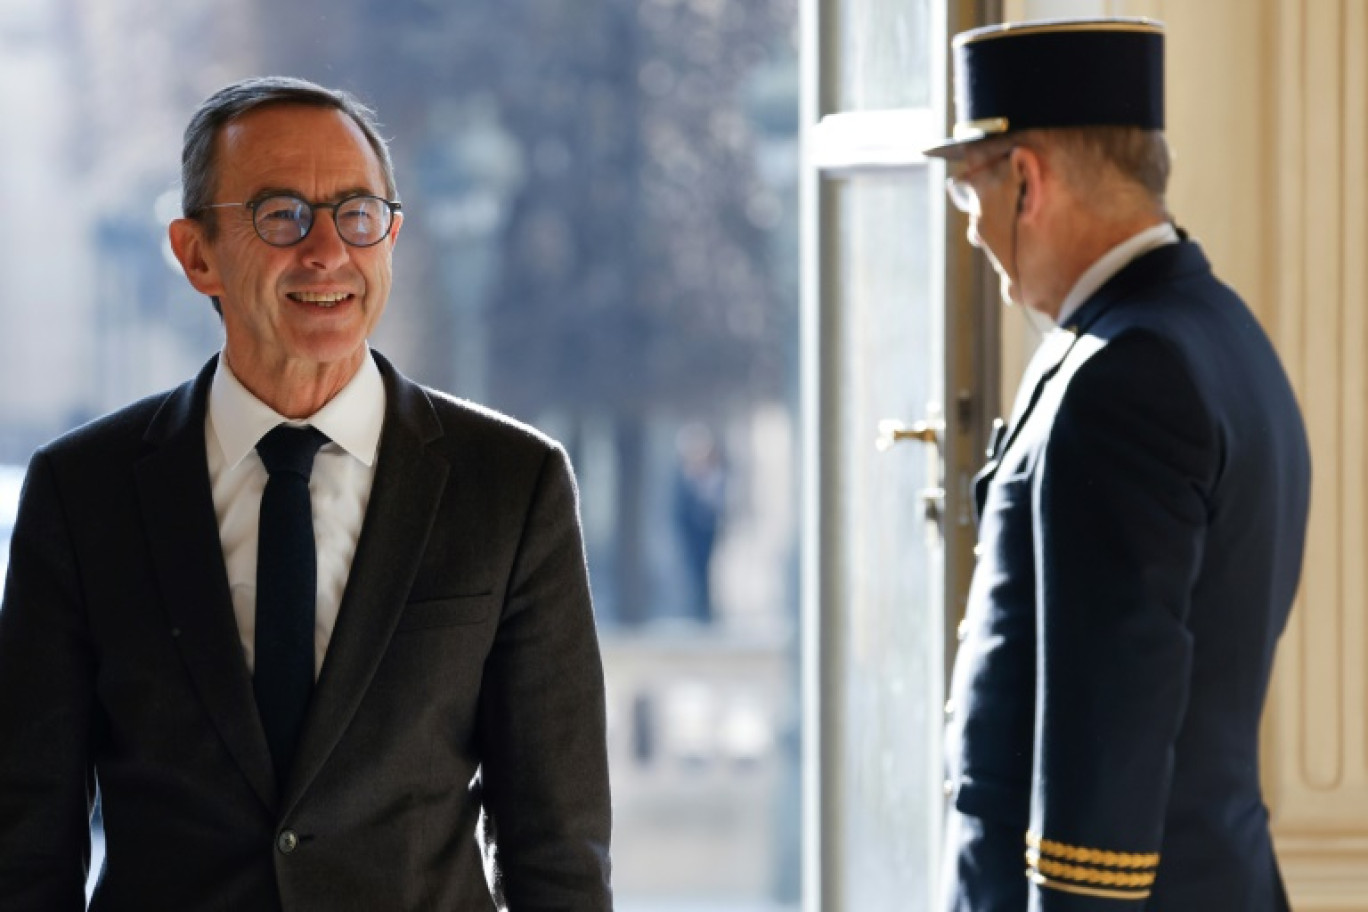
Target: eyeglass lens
(961,195)
(362,221)
(962,192)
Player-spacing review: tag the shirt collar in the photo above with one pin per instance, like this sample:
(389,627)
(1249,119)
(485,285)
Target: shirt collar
(352,419)
(1112,262)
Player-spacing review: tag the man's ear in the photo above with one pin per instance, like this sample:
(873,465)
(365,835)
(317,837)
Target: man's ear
(1028,169)
(191,248)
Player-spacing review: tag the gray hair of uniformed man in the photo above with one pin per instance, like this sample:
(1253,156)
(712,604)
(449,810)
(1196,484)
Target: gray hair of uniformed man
(1086,155)
(199,151)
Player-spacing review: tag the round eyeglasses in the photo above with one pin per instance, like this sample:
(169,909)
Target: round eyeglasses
(283,219)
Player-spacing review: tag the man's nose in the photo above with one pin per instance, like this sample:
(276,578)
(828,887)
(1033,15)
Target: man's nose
(324,248)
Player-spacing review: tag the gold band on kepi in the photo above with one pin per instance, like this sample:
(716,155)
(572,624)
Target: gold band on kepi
(1056,73)
(975,130)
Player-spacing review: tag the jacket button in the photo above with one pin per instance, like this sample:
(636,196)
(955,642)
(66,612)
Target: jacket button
(948,787)
(287,842)
(962,630)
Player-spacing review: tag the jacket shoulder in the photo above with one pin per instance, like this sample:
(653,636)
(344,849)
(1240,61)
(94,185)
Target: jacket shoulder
(466,422)
(118,432)
(460,423)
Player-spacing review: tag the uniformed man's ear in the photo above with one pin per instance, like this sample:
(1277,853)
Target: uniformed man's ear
(192,250)
(1028,169)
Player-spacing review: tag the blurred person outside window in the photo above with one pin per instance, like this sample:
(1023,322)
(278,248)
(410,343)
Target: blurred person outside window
(699,500)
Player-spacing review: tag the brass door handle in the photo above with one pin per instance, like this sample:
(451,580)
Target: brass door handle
(932,497)
(892,431)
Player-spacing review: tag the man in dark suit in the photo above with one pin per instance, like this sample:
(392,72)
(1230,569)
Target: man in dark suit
(1141,520)
(386,694)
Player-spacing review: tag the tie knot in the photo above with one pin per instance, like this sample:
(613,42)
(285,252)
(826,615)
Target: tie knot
(290,449)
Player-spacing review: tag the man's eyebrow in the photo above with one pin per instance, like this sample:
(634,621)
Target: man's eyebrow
(274,191)
(355,191)
(265,192)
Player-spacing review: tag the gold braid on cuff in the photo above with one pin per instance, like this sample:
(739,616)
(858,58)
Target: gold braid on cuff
(1089,871)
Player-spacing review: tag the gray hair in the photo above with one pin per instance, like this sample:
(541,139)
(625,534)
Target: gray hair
(198,177)
(1140,156)
(1086,154)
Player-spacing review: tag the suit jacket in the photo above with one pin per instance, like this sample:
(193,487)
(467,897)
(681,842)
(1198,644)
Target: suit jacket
(1141,541)
(462,688)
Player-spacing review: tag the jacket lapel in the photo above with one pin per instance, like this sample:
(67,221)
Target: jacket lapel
(1044,365)
(182,531)
(1171,259)
(409,480)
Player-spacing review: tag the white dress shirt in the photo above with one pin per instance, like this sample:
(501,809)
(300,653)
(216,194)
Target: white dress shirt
(339,488)
(1112,262)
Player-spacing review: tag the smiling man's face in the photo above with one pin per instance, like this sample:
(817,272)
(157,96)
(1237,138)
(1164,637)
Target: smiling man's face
(303,311)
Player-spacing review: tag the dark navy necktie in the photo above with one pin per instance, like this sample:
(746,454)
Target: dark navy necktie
(287,584)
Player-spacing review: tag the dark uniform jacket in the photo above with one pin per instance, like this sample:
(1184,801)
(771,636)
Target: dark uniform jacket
(465,641)
(1141,537)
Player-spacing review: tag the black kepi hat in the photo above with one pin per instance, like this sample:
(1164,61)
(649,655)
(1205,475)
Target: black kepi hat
(1055,73)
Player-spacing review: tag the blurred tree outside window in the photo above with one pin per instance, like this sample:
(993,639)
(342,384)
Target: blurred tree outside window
(600,238)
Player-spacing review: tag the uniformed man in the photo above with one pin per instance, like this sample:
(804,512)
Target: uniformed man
(1141,520)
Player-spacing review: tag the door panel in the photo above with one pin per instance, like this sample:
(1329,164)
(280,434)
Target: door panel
(886,559)
(894,331)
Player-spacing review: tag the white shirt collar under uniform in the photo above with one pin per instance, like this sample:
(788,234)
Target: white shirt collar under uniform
(352,419)
(1112,262)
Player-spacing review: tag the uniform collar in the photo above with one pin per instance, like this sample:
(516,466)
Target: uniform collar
(1112,262)
(352,419)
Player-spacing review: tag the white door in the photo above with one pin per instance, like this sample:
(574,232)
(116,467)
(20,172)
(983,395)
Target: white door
(895,348)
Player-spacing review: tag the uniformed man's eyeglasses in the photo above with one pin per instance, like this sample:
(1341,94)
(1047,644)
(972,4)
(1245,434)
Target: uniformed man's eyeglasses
(283,219)
(961,192)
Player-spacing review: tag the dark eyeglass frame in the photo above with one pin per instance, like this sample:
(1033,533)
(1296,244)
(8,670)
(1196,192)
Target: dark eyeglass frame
(961,192)
(391,207)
